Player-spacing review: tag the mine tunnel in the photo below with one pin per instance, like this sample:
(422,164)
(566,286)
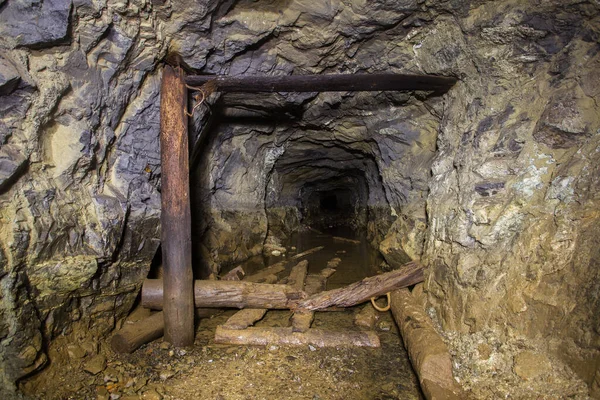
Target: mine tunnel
(299,200)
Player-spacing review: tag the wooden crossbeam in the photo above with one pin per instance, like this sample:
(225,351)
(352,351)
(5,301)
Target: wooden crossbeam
(325,83)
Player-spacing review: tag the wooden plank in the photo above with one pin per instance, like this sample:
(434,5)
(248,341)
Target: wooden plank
(285,336)
(359,292)
(176,233)
(325,83)
(228,294)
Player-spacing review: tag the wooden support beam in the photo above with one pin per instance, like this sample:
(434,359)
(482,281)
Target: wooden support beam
(285,336)
(359,292)
(325,83)
(228,294)
(176,232)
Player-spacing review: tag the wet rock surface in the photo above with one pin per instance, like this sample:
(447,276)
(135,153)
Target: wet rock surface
(494,185)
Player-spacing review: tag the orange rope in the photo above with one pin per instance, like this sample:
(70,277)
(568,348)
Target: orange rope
(382,309)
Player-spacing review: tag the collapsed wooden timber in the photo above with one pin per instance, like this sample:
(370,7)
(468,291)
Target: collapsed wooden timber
(224,294)
(427,352)
(325,83)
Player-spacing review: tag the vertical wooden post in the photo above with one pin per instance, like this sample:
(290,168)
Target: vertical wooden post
(176,235)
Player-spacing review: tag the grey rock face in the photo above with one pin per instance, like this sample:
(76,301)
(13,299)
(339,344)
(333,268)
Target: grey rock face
(34,23)
(9,77)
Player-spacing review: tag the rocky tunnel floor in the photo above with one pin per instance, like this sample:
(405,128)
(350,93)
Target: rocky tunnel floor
(84,370)
(212,371)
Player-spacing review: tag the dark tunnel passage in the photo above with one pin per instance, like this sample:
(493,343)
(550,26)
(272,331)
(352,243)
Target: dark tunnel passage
(323,185)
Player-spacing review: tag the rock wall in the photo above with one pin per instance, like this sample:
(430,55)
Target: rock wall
(494,185)
(512,241)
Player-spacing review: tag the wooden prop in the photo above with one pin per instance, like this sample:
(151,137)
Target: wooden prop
(176,231)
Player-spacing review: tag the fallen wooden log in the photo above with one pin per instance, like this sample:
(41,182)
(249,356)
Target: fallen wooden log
(298,275)
(345,240)
(285,336)
(228,294)
(428,353)
(303,319)
(235,274)
(359,292)
(245,318)
(266,275)
(129,338)
(249,316)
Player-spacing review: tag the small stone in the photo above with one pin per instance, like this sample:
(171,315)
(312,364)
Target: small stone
(95,365)
(166,374)
(102,393)
(485,351)
(384,326)
(140,382)
(165,346)
(90,347)
(273,348)
(311,347)
(115,396)
(366,317)
(276,253)
(75,351)
(151,395)
(529,365)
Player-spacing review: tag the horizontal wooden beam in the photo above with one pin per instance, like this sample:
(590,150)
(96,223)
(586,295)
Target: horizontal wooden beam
(324,83)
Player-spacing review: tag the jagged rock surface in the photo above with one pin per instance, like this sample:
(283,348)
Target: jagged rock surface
(494,186)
